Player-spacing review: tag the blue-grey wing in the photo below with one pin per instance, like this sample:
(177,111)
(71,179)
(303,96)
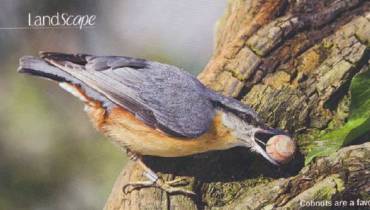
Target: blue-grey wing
(163,96)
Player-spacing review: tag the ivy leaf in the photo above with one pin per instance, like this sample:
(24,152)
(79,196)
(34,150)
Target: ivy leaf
(358,123)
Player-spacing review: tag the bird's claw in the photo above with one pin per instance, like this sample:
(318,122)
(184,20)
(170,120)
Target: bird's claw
(170,187)
(180,181)
(128,188)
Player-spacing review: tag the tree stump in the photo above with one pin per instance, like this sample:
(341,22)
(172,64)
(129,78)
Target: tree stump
(292,61)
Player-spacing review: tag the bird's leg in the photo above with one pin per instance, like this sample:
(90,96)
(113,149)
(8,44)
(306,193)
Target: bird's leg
(154,180)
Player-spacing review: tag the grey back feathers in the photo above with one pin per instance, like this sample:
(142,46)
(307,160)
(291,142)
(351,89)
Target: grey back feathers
(162,96)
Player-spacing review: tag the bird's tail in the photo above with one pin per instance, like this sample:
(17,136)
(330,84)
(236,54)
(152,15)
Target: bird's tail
(39,67)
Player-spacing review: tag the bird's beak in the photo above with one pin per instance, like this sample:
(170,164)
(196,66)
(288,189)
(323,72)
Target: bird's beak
(260,138)
(261,151)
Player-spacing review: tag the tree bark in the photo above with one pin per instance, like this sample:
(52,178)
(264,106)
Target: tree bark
(292,61)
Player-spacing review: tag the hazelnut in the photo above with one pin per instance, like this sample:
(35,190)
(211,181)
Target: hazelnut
(281,148)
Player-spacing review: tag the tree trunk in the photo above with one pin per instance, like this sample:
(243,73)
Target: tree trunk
(292,61)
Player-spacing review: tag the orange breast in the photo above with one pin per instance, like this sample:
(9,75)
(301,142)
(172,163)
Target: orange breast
(127,131)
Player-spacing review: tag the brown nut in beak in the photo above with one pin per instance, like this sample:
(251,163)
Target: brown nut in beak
(281,148)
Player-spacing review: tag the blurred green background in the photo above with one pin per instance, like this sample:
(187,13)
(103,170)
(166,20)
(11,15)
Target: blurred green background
(50,155)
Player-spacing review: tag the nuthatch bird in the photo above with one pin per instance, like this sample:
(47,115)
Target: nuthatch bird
(150,108)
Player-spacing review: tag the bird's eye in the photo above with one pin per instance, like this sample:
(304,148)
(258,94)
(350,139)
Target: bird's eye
(247,118)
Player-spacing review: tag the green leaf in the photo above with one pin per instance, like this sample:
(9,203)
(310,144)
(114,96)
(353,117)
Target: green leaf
(358,122)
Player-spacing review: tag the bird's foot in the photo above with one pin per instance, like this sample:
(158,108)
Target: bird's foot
(171,187)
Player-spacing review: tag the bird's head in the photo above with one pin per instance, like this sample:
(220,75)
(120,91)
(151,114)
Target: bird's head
(275,145)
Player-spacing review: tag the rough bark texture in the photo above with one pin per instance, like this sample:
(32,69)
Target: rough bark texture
(292,61)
